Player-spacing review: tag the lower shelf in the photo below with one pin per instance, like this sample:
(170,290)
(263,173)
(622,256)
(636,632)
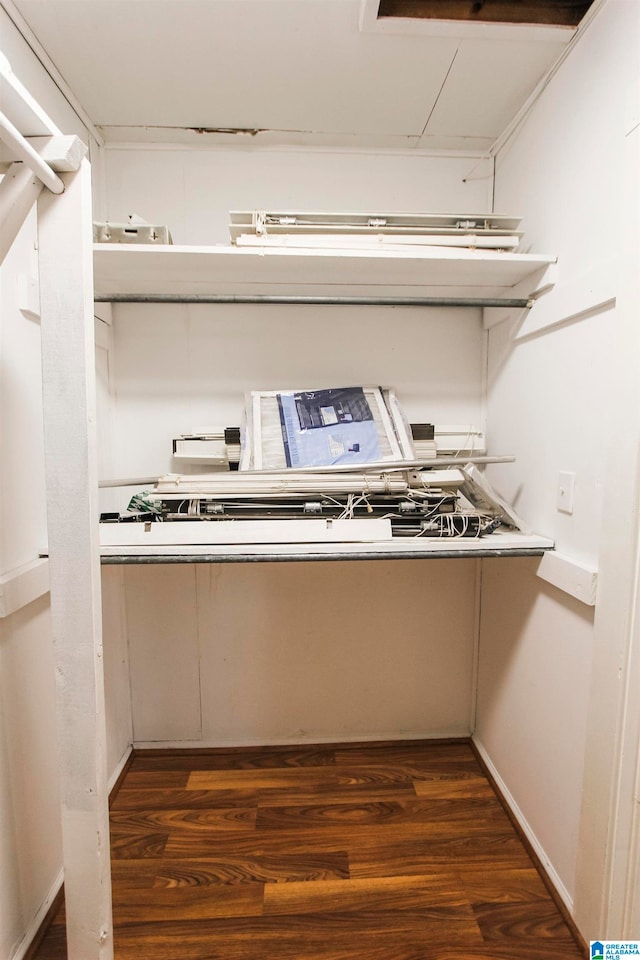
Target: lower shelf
(498,544)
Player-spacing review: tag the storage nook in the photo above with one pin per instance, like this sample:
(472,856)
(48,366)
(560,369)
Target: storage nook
(525,642)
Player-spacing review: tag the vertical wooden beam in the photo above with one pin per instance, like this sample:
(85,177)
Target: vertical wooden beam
(66,284)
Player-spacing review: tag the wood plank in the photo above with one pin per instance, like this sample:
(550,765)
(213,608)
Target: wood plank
(342,793)
(169,799)
(436,895)
(53,945)
(198,844)
(135,874)
(406,772)
(454,788)
(492,883)
(493,851)
(127,846)
(188,903)
(415,814)
(400,935)
(243,758)
(260,779)
(155,779)
(268,868)
(172,821)
(535,920)
(433,752)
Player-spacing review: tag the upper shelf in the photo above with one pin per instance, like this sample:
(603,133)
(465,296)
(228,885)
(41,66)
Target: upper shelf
(122,270)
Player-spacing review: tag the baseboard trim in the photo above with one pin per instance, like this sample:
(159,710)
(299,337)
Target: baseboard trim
(120,772)
(41,922)
(391,739)
(543,864)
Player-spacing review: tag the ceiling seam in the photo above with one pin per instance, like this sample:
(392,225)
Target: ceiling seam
(442,85)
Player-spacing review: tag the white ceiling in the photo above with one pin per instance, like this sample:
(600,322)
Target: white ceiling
(298,71)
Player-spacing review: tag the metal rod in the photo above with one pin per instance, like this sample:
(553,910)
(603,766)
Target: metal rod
(399,301)
(425,552)
(22,150)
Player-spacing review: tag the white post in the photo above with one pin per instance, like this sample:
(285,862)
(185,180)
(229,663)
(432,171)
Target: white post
(66,284)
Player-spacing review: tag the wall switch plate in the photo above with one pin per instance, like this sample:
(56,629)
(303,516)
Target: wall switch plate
(566,485)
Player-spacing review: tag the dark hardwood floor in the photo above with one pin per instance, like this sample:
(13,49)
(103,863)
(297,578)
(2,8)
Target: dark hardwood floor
(375,852)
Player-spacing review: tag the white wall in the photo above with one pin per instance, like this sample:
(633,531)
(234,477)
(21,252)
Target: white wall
(23,527)
(295,652)
(310,656)
(30,835)
(30,840)
(118,717)
(176,369)
(533,677)
(192,191)
(180,369)
(562,395)
(29,811)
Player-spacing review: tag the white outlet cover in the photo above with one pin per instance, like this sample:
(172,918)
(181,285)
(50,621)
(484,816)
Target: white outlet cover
(566,487)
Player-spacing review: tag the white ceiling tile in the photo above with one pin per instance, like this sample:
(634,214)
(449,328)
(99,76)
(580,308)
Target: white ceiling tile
(296,71)
(299,65)
(487,84)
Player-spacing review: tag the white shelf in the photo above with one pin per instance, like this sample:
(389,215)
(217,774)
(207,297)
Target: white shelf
(128,269)
(498,544)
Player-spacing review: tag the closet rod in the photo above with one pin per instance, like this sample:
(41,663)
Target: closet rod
(22,150)
(524,304)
